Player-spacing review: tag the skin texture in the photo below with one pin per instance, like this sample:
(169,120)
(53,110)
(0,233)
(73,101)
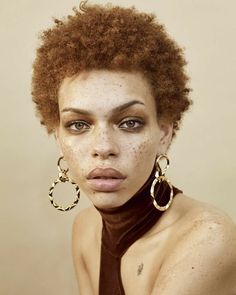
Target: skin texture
(106,141)
(191,249)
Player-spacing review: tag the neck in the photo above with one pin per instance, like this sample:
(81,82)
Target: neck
(123,225)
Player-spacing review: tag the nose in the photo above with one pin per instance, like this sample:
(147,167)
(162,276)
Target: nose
(104,144)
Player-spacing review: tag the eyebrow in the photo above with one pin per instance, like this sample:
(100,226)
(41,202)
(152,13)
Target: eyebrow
(117,109)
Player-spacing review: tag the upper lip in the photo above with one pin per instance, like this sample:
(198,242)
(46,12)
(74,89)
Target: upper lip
(105,173)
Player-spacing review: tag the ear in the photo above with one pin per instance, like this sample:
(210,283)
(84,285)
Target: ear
(57,138)
(166,134)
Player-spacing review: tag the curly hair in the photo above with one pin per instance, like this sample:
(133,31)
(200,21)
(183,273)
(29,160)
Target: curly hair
(113,38)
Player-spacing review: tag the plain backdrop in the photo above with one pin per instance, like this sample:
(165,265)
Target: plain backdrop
(35,253)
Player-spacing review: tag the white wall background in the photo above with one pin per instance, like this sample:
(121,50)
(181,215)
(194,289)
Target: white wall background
(36,239)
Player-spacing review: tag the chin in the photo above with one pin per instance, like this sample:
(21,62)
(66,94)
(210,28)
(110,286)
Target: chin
(107,200)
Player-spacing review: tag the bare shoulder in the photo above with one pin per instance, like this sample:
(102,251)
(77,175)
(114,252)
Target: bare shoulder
(86,215)
(203,222)
(203,256)
(86,224)
(86,230)
(200,217)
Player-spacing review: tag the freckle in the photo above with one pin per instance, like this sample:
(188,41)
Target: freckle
(193,267)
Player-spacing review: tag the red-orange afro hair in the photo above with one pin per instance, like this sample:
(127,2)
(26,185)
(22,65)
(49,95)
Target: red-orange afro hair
(113,38)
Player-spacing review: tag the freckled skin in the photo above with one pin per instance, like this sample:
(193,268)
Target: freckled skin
(191,249)
(105,144)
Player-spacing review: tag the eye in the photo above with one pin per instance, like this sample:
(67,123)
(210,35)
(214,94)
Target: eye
(77,126)
(131,124)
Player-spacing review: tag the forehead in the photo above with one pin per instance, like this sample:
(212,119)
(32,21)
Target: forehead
(104,90)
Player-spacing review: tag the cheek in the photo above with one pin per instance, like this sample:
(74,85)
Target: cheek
(72,155)
(139,162)
(68,149)
(146,147)
(144,152)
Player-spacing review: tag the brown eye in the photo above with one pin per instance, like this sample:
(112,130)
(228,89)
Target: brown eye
(131,124)
(78,126)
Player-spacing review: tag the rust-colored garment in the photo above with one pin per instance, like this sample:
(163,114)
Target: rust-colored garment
(122,226)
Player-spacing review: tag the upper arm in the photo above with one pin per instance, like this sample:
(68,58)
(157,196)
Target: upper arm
(202,262)
(78,236)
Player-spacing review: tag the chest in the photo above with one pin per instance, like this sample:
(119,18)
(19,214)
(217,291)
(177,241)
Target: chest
(140,264)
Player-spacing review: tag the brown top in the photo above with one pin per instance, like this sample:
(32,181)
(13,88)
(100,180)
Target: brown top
(122,226)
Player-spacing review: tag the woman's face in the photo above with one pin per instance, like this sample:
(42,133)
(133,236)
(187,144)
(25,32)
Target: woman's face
(109,134)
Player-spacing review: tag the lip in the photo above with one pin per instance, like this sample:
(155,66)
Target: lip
(105,173)
(105,180)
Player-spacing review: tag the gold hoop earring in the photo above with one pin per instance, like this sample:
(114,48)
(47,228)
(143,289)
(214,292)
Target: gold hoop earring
(63,178)
(159,178)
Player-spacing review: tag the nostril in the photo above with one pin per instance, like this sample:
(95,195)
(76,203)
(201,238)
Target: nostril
(103,154)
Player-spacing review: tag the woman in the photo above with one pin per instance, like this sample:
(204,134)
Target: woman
(110,84)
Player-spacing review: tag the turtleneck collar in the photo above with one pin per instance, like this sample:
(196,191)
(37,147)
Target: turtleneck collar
(123,225)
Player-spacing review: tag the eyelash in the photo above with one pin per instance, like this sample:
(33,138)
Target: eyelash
(140,122)
(77,130)
(74,123)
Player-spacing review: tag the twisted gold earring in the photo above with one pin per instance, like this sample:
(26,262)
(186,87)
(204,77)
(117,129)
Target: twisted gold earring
(159,178)
(63,177)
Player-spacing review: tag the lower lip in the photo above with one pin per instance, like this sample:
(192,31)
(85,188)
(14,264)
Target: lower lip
(105,185)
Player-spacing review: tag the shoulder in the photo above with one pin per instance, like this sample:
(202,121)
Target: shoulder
(204,254)
(89,215)
(86,227)
(194,215)
(84,238)
(205,223)
(202,218)
(86,221)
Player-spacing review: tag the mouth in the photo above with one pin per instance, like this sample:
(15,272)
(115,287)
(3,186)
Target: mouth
(104,177)
(105,180)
